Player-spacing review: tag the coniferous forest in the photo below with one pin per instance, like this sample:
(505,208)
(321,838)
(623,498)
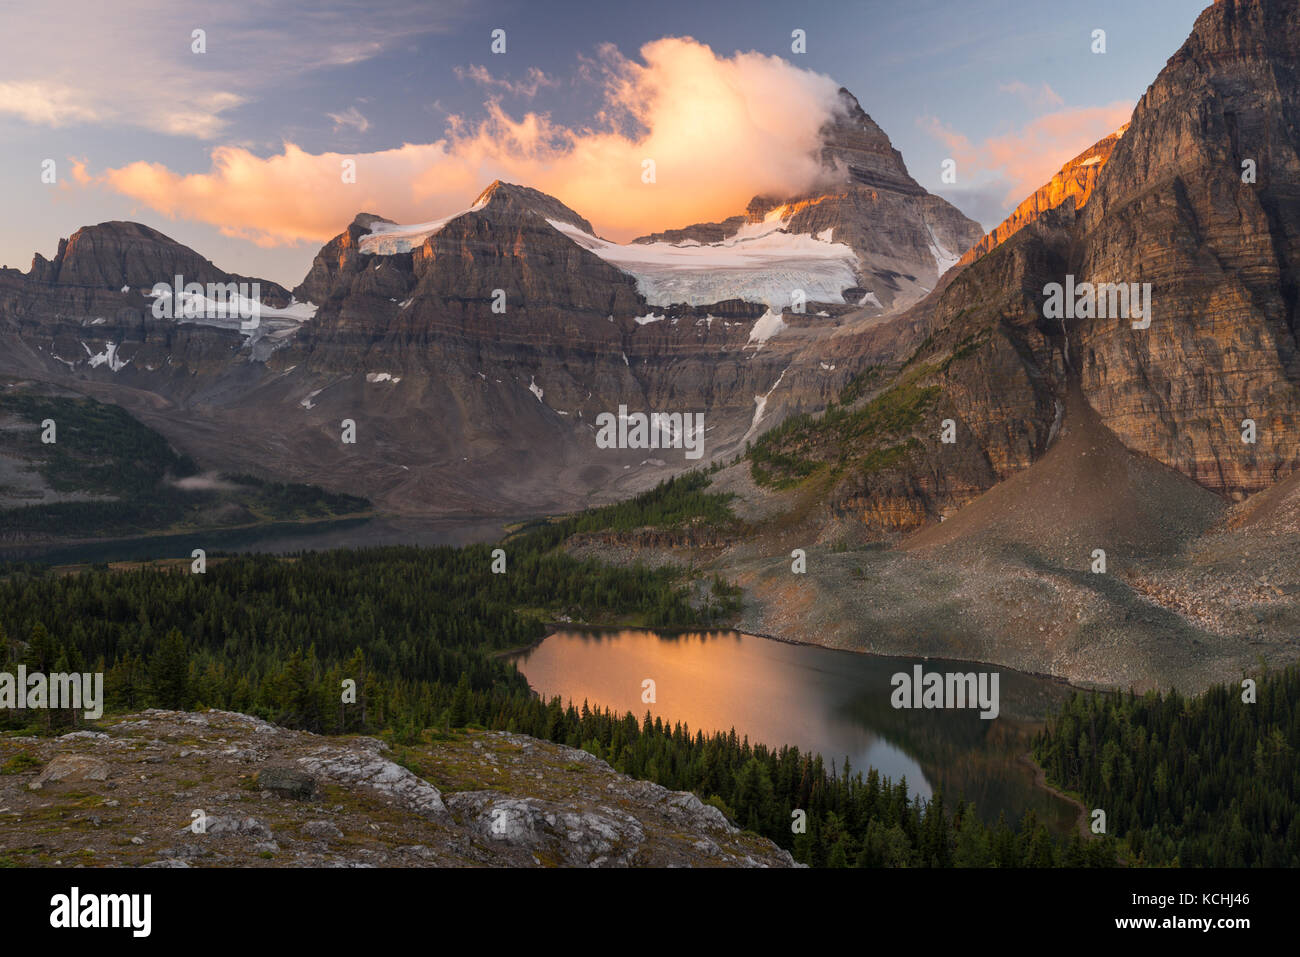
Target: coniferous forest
(424,633)
(1209,781)
(421,631)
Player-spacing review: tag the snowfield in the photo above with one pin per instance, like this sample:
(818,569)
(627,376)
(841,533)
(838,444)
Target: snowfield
(944,259)
(232,311)
(761,263)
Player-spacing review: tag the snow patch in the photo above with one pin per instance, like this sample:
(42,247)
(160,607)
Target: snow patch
(234,309)
(760,406)
(534,388)
(108,357)
(944,259)
(383,377)
(768,325)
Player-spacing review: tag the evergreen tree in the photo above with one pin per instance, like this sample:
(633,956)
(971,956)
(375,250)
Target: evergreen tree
(169,672)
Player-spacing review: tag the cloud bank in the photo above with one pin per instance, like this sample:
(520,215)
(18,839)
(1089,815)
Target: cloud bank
(719,130)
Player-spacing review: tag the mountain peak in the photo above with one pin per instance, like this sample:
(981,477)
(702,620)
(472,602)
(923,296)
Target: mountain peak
(503,196)
(855,148)
(366,220)
(1075,180)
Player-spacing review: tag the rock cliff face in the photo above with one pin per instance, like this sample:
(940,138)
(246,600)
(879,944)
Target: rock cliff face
(124,795)
(1171,208)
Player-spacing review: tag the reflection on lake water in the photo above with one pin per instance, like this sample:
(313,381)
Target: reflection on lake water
(833,702)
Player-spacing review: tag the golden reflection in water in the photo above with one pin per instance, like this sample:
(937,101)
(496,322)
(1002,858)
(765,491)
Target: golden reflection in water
(832,702)
(774,693)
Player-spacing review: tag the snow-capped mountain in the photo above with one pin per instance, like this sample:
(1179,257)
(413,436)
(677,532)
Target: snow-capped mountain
(476,350)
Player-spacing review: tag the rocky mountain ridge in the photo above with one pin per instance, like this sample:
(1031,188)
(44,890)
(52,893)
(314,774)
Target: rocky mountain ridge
(476,352)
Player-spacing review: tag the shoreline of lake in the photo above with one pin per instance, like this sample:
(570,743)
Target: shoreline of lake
(834,702)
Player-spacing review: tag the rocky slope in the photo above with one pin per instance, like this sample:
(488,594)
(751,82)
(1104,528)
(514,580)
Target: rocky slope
(125,795)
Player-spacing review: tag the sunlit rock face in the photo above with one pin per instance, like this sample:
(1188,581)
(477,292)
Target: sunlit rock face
(1073,181)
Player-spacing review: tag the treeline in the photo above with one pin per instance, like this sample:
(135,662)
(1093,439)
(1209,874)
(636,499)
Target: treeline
(98,448)
(1210,781)
(867,437)
(424,616)
(293,500)
(674,503)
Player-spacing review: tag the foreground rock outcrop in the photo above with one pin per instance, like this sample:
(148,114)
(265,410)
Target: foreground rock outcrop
(130,793)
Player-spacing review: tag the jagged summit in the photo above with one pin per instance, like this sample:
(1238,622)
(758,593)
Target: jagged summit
(859,151)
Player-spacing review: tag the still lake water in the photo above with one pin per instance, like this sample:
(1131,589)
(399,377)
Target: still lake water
(274,538)
(833,702)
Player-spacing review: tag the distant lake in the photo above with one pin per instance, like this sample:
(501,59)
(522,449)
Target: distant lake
(818,699)
(277,538)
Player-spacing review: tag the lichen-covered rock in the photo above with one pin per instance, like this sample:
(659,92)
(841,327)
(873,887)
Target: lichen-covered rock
(287,782)
(364,766)
(71,769)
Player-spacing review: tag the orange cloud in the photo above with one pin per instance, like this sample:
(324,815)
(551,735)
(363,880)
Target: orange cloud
(719,129)
(1028,157)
